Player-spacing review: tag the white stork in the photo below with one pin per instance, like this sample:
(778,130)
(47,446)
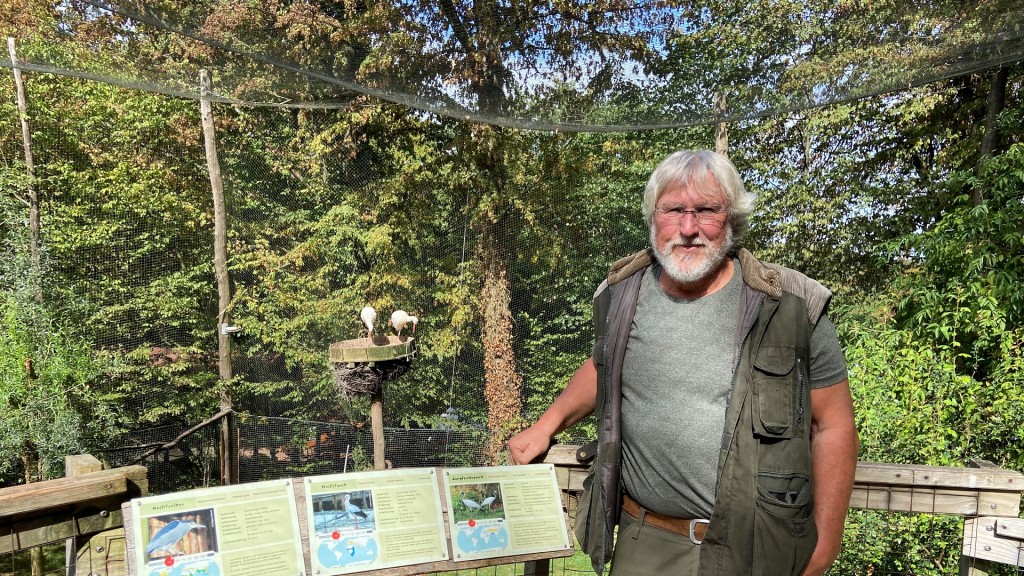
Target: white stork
(368,315)
(400,319)
(354,512)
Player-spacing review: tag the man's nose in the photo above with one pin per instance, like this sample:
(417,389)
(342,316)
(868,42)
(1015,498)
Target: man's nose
(688,225)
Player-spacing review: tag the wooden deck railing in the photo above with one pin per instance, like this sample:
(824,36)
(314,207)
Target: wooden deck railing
(987,496)
(73,509)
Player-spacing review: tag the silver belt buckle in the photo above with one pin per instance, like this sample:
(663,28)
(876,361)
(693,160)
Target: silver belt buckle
(693,529)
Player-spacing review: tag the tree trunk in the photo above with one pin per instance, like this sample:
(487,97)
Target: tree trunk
(33,193)
(990,141)
(721,128)
(30,461)
(503,384)
(229,446)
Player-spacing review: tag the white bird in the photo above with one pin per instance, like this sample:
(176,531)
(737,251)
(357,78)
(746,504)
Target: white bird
(472,504)
(368,315)
(400,319)
(487,501)
(355,511)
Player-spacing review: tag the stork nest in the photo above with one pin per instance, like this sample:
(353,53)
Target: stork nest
(362,378)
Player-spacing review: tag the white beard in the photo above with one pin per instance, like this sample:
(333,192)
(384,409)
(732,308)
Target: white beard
(692,269)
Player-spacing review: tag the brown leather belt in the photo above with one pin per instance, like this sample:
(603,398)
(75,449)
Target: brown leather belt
(695,530)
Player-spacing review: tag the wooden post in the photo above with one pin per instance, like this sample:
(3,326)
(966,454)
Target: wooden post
(377,427)
(229,448)
(77,465)
(721,129)
(537,567)
(33,194)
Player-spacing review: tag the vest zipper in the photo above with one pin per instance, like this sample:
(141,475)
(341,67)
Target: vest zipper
(800,392)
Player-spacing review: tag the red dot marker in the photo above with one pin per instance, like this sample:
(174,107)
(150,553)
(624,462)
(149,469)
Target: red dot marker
(168,561)
(472,523)
(336,535)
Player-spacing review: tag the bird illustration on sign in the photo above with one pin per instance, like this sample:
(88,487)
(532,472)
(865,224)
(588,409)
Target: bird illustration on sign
(169,538)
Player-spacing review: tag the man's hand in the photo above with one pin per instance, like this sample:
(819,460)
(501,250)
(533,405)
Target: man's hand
(528,445)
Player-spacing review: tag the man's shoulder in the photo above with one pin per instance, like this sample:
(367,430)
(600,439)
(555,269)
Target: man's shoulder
(625,267)
(774,279)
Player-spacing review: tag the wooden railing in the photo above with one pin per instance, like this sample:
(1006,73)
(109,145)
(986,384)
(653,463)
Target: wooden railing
(988,497)
(75,509)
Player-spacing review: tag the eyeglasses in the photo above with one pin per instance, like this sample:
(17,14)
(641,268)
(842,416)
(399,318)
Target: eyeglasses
(704,215)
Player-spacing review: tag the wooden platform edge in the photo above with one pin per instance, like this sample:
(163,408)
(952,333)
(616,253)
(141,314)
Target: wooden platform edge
(72,507)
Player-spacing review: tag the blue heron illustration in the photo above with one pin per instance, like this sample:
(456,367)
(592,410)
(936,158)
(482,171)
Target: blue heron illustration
(168,536)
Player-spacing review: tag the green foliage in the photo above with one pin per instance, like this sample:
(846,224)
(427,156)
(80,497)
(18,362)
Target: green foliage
(49,378)
(943,353)
(936,362)
(891,543)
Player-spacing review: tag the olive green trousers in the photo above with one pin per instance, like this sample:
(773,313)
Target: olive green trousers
(645,550)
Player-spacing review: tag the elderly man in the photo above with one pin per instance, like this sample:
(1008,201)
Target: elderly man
(726,436)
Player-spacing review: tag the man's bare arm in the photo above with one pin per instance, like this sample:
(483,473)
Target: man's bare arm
(575,402)
(834,446)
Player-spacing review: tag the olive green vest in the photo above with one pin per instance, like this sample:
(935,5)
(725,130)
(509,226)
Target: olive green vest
(763,518)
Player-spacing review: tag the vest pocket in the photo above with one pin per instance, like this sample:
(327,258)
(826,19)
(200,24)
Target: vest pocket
(784,530)
(590,526)
(584,509)
(775,386)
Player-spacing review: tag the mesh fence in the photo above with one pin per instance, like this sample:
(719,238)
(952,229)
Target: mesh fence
(344,202)
(142,286)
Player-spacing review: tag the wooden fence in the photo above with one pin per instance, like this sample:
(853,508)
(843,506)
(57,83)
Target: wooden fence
(83,510)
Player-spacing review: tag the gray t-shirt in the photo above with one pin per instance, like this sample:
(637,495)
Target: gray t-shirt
(676,380)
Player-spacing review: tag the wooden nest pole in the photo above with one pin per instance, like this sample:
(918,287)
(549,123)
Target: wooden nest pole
(361,366)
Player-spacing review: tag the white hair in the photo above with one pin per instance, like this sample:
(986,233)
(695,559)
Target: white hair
(707,172)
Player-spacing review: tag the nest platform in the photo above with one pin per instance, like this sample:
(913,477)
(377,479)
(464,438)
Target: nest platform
(379,349)
(360,365)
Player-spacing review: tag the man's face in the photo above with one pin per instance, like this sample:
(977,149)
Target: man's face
(690,233)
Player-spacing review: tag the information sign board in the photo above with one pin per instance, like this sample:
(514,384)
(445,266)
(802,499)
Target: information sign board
(247,529)
(373,520)
(504,511)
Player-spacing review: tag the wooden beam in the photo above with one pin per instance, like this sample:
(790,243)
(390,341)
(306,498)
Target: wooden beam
(563,455)
(986,476)
(934,501)
(77,465)
(53,510)
(939,476)
(1010,528)
(27,531)
(981,490)
(59,493)
(984,540)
